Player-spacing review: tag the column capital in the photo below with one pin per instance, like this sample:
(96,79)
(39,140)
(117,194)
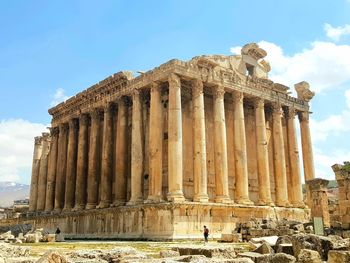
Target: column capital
(154,86)
(237,96)
(219,92)
(54,131)
(38,140)
(303,116)
(258,103)
(197,87)
(290,113)
(277,108)
(83,119)
(174,81)
(63,127)
(96,113)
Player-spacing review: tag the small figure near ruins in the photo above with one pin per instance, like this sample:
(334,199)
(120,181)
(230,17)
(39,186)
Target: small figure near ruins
(206,234)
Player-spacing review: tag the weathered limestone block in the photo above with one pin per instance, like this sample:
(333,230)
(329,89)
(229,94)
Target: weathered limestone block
(264,248)
(302,241)
(335,256)
(210,252)
(276,258)
(309,256)
(52,257)
(168,253)
(230,238)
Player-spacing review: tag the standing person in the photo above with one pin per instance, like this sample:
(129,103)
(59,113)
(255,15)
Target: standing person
(206,234)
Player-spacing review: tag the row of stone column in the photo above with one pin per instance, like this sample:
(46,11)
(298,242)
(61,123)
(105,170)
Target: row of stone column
(76,171)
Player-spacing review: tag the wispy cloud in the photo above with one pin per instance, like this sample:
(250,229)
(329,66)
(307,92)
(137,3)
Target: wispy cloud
(335,33)
(58,97)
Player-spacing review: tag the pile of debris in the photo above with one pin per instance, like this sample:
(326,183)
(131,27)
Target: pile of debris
(33,236)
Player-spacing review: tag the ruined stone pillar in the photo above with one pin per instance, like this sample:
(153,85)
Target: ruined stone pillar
(93,167)
(175,186)
(241,193)
(121,154)
(71,165)
(199,147)
(279,158)
(319,199)
(107,158)
(306,145)
(156,144)
(297,196)
(40,206)
(262,154)
(51,173)
(33,196)
(221,173)
(82,163)
(61,167)
(136,150)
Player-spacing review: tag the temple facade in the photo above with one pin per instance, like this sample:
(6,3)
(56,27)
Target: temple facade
(208,141)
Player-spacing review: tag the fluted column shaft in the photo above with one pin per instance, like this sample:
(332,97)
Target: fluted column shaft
(93,167)
(199,147)
(71,164)
(175,186)
(156,144)
(136,150)
(279,158)
(82,163)
(306,145)
(51,173)
(61,167)
(107,158)
(33,196)
(241,194)
(297,196)
(40,205)
(262,154)
(121,154)
(221,172)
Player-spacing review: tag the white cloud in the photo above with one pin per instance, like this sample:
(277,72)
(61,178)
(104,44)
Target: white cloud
(324,64)
(58,97)
(334,124)
(335,33)
(16,147)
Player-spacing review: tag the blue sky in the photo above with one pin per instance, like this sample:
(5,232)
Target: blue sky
(50,50)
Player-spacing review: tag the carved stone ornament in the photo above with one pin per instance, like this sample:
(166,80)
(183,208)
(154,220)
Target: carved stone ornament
(219,92)
(174,81)
(254,51)
(303,91)
(197,87)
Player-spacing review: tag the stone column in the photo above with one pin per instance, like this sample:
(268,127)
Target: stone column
(51,173)
(242,194)
(40,206)
(156,144)
(121,154)
(221,173)
(107,158)
(71,165)
(175,187)
(93,163)
(61,167)
(136,150)
(306,144)
(297,196)
(279,157)
(319,199)
(33,196)
(199,147)
(262,154)
(82,163)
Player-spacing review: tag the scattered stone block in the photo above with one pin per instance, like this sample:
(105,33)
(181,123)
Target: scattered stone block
(271,240)
(335,256)
(306,241)
(309,256)
(251,255)
(231,238)
(276,258)
(285,248)
(264,248)
(59,237)
(52,257)
(168,253)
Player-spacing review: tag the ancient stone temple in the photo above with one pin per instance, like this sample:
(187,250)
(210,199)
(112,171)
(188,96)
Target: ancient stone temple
(211,141)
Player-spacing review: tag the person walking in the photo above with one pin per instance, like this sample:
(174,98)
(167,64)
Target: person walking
(206,234)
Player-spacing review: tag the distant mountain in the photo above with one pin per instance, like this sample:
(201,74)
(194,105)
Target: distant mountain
(10,191)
